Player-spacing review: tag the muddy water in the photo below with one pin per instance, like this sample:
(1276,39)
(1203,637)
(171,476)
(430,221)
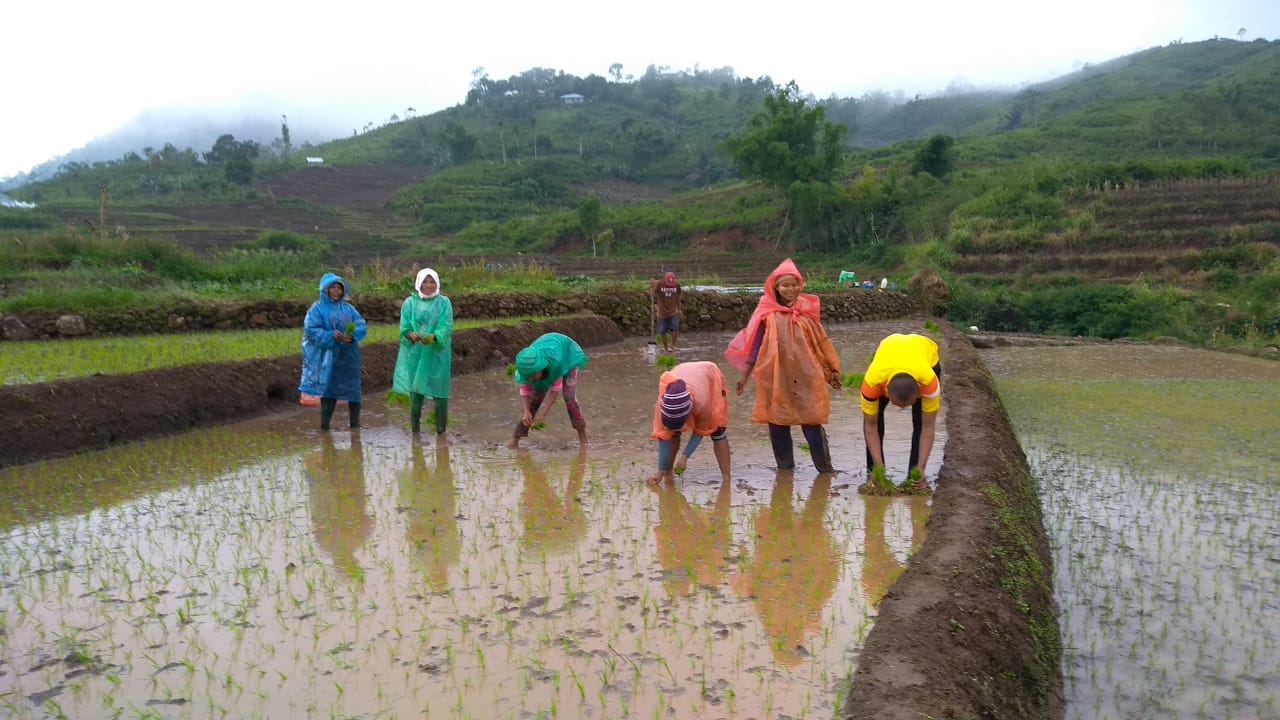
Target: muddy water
(268,570)
(1161,494)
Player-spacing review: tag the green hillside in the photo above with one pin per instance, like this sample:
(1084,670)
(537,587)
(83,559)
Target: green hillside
(1149,176)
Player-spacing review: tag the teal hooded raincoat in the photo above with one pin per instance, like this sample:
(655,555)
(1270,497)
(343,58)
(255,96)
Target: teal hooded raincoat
(425,369)
(554,352)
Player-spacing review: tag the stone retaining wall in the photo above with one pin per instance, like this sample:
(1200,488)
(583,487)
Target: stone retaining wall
(628,308)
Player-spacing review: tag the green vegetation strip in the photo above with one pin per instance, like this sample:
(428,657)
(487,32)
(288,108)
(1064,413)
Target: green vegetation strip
(45,360)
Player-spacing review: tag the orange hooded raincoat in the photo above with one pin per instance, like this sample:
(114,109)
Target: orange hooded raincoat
(794,359)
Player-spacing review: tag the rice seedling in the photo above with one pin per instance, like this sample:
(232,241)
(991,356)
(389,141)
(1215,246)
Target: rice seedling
(255,572)
(1157,516)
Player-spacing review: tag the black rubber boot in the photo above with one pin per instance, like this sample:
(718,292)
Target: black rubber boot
(415,411)
(441,408)
(355,414)
(327,406)
(783,452)
(819,448)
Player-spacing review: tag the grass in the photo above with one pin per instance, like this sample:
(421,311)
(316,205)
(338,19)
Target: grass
(45,360)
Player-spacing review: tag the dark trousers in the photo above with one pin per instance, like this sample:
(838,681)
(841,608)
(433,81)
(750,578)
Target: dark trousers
(916,420)
(328,405)
(439,406)
(784,453)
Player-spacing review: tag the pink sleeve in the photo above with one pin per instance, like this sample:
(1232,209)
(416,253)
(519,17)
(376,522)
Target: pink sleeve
(526,390)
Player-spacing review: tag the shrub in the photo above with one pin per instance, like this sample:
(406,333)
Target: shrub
(284,240)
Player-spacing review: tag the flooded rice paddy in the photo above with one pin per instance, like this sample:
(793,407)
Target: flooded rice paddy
(268,570)
(1159,471)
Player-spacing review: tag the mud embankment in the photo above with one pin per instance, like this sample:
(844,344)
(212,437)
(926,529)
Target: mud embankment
(970,630)
(53,419)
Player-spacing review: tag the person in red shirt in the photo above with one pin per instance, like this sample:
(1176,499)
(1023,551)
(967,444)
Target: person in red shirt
(666,295)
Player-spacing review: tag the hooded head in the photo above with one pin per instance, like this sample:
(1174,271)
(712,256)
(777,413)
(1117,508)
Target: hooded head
(423,274)
(329,279)
(676,404)
(785,268)
(669,279)
(529,362)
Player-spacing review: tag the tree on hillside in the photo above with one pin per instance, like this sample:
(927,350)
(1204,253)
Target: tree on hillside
(616,71)
(789,145)
(221,150)
(589,218)
(480,86)
(239,167)
(936,156)
(460,143)
(284,135)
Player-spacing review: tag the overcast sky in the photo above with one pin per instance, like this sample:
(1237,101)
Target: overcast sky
(75,69)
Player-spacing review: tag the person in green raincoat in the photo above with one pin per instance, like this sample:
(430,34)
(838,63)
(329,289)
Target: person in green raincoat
(549,366)
(424,365)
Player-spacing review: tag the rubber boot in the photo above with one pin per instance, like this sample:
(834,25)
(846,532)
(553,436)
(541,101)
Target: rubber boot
(783,452)
(327,406)
(819,449)
(355,414)
(441,408)
(415,411)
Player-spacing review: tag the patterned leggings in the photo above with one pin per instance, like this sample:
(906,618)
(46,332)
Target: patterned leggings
(568,389)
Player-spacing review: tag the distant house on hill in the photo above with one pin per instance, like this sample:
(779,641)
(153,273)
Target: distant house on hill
(315,162)
(572,99)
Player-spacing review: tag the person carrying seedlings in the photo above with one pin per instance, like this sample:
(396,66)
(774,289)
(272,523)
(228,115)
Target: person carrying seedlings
(425,359)
(904,372)
(667,296)
(331,336)
(692,397)
(786,350)
(549,366)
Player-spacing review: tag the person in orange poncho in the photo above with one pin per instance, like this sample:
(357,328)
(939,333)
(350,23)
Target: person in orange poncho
(790,356)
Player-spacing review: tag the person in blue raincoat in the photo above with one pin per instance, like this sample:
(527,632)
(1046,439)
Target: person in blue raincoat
(331,336)
(549,366)
(425,360)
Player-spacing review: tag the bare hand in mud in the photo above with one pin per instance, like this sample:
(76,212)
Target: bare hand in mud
(527,419)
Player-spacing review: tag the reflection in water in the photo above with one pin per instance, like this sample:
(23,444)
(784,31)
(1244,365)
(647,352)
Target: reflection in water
(551,521)
(692,543)
(429,498)
(795,567)
(189,569)
(880,567)
(338,506)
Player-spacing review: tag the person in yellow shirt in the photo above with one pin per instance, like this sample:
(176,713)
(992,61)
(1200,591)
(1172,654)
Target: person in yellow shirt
(904,372)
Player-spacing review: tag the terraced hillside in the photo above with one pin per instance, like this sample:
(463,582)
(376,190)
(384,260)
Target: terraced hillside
(343,205)
(1194,233)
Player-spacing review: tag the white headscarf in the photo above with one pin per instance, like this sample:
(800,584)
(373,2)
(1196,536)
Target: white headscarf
(423,274)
